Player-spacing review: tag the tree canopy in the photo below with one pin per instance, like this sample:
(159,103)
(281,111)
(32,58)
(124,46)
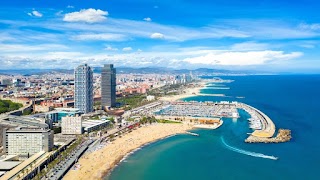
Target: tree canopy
(7,105)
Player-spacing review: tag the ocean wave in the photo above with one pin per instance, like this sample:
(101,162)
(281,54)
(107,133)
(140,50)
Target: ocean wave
(249,153)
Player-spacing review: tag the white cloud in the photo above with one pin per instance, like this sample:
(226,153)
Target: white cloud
(242,58)
(61,55)
(305,26)
(109,48)
(172,58)
(5,37)
(270,29)
(26,48)
(309,46)
(70,7)
(249,46)
(59,13)
(147,19)
(157,36)
(35,13)
(144,29)
(86,15)
(100,37)
(127,49)
(139,50)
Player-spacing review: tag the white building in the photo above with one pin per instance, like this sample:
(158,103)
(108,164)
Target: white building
(26,141)
(94,125)
(71,125)
(150,98)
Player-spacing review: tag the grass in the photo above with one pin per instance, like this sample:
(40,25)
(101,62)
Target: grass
(167,121)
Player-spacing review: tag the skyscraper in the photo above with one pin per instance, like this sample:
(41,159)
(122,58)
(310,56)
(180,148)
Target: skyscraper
(83,88)
(108,86)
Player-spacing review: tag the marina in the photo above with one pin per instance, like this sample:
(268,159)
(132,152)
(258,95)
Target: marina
(199,109)
(208,115)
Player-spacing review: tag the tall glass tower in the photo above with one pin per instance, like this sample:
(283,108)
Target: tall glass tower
(83,88)
(108,86)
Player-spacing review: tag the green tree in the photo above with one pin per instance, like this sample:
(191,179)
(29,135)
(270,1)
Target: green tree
(7,105)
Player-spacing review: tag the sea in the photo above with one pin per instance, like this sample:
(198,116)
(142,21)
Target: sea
(291,101)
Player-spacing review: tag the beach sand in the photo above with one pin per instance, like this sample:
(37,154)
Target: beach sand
(189,92)
(97,164)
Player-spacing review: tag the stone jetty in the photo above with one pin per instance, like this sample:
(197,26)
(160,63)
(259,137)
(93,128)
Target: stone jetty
(284,135)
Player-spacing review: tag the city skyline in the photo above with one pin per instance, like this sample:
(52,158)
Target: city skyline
(278,36)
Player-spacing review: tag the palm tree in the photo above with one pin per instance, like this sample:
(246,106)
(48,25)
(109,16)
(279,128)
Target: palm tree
(27,170)
(22,171)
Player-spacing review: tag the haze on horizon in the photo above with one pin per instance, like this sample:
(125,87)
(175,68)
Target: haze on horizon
(240,35)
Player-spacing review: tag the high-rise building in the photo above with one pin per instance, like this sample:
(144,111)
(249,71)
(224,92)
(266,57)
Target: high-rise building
(26,141)
(83,88)
(108,86)
(6,81)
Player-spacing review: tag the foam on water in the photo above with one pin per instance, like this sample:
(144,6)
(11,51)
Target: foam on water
(249,153)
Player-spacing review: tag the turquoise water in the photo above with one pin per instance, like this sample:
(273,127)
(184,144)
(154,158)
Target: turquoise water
(290,101)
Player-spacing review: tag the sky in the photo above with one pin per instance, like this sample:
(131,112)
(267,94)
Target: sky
(264,35)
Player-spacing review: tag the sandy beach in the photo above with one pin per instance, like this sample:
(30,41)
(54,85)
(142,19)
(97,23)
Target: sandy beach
(190,92)
(97,164)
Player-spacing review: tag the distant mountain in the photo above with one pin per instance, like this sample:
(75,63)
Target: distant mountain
(127,70)
(163,70)
(29,72)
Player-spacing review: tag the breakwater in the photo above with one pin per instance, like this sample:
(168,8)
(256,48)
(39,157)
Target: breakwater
(267,128)
(284,135)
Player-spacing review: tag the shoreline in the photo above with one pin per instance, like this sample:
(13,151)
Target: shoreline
(134,151)
(191,92)
(98,164)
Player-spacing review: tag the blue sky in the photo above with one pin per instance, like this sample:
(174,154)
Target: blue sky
(264,35)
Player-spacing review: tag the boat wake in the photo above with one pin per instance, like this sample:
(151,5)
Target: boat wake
(249,153)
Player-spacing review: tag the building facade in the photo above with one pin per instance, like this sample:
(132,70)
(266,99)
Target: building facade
(108,86)
(71,125)
(83,88)
(26,142)
(6,82)
(56,115)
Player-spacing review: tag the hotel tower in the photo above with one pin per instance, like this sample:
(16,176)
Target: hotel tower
(108,86)
(83,88)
